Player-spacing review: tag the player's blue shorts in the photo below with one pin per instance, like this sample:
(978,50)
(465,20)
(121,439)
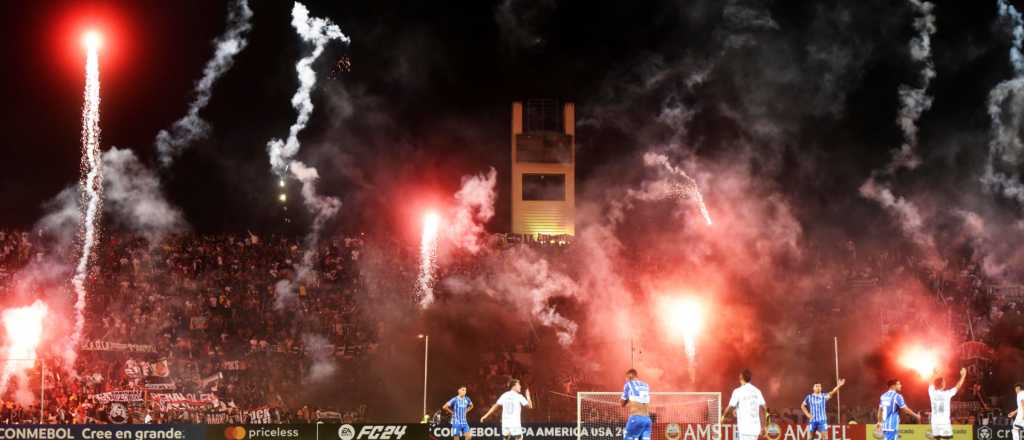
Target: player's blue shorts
(819,426)
(460,429)
(891,435)
(638,428)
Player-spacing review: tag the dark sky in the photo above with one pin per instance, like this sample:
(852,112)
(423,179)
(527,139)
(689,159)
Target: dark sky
(431,84)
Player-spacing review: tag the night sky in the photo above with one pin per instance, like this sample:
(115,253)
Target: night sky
(427,98)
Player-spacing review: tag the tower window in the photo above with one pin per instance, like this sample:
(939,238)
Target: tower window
(541,187)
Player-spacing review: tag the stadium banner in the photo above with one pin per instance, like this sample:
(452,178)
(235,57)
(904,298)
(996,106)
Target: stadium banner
(139,369)
(119,396)
(184,401)
(923,432)
(670,431)
(993,432)
(160,386)
(96,345)
(238,365)
(259,416)
(103,432)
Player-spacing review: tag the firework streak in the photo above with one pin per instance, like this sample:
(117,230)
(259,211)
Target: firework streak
(91,184)
(428,259)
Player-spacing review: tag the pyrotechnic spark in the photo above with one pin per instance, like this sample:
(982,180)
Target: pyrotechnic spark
(684,318)
(685,188)
(318,31)
(920,360)
(343,65)
(91,182)
(24,327)
(428,258)
(170,143)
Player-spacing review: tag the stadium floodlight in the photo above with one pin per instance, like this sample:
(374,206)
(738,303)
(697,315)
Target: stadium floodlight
(597,413)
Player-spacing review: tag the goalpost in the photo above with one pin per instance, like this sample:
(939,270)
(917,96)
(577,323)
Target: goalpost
(600,415)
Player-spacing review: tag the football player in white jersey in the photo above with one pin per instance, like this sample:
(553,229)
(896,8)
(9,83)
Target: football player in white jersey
(749,404)
(1018,414)
(942,427)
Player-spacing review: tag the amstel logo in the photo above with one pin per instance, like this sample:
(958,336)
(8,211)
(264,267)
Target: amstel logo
(672,432)
(234,433)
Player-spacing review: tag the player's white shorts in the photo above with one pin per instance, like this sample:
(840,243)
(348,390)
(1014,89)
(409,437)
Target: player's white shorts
(512,431)
(1018,429)
(942,430)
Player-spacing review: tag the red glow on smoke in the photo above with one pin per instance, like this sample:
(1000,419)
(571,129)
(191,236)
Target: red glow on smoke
(922,361)
(103,26)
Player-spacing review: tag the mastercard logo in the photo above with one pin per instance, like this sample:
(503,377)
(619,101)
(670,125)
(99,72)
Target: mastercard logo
(234,433)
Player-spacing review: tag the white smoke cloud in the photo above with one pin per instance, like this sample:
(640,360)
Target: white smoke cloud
(1006,10)
(521,22)
(474,207)
(134,198)
(906,213)
(320,351)
(62,218)
(323,208)
(1005,147)
(914,101)
(524,278)
(170,143)
(319,32)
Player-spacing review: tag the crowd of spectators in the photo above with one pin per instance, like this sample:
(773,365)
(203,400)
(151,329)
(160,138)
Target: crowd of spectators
(191,329)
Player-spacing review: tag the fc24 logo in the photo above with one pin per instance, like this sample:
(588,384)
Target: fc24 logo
(372,432)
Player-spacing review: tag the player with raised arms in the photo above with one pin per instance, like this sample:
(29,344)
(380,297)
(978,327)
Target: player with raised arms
(749,404)
(458,407)
(889,407)
(1018,421)
(512,404)
(814,408)
(942,426)
(636,396)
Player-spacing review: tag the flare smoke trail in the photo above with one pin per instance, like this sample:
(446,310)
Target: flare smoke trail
(24,327)
(92,186)
(428,259)
(170,143)
(318,31)
(323,208)
(1005,147)
(915,100)
(686,189)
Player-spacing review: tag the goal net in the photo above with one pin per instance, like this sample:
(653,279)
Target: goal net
(601,416)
